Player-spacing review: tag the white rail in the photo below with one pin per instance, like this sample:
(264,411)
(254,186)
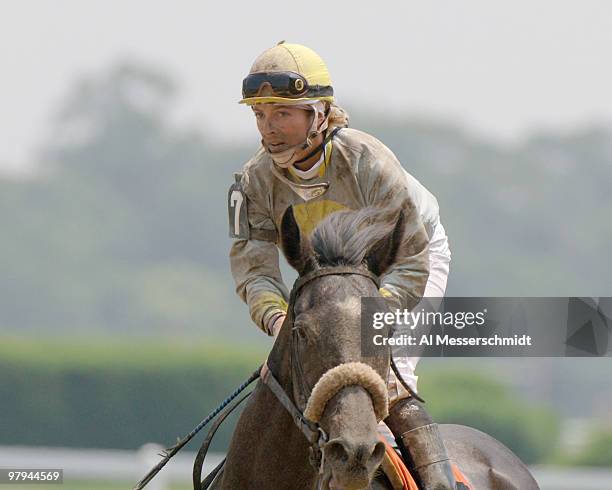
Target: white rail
(125,465)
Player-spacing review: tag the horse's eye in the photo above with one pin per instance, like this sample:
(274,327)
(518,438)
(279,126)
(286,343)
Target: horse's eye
(301,332)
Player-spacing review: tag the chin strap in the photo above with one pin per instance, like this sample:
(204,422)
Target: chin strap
(286,158)
(307,191)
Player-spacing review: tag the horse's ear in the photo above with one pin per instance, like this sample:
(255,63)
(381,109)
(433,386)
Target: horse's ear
(295,247)
(383,254)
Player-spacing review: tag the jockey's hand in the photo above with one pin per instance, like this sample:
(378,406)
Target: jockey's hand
(277,324)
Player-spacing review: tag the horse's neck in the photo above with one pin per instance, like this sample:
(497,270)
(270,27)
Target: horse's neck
(268,451)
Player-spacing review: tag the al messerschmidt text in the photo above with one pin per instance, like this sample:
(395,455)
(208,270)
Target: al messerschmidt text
(430,339)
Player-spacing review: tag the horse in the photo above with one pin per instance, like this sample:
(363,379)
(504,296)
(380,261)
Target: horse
(311,421)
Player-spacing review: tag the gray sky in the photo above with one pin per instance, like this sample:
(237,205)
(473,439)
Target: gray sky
(500,68)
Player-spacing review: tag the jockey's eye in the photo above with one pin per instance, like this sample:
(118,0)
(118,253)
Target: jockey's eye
(258,115)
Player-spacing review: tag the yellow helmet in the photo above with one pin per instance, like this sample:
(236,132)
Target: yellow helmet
(287,74)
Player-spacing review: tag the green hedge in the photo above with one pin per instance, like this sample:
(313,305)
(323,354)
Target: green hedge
(478,400)
(114,394)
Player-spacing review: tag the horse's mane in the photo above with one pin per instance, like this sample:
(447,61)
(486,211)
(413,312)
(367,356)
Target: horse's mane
(344,237)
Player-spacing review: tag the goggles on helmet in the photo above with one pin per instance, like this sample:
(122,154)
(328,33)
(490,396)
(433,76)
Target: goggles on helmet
(284,83)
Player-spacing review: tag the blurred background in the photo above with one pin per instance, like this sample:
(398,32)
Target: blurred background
(119,325)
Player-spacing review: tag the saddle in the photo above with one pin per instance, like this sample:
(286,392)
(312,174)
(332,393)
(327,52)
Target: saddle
(399,476)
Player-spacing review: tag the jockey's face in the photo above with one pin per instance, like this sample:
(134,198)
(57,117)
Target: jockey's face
(282,126)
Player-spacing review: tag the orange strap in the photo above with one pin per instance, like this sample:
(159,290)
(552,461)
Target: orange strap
(460,477)
(404,474)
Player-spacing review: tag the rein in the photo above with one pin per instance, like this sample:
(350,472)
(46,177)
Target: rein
(313,432)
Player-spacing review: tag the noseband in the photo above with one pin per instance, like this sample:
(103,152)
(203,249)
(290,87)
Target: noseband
(313,432)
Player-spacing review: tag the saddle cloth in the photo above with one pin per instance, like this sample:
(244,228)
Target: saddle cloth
(398,474)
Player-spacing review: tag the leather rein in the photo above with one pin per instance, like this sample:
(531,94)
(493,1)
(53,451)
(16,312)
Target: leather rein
(314,433)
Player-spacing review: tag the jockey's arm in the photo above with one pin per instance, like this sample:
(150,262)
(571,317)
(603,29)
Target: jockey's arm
(439,258)
(255,267)
(385,183)
(258,280)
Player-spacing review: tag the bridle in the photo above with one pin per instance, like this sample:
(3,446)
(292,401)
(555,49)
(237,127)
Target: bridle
(313,432)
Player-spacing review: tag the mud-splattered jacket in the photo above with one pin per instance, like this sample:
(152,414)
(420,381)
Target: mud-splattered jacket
(361,171)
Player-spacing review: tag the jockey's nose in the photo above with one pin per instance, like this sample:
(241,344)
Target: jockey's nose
(355,454)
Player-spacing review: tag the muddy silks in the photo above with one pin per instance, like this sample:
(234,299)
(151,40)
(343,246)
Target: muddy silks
(361,171)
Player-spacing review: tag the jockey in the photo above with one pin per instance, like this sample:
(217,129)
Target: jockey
(311,160)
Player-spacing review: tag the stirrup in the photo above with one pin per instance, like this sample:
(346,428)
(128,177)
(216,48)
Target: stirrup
(428,458)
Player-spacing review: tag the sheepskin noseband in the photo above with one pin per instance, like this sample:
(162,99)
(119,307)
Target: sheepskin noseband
(347,374)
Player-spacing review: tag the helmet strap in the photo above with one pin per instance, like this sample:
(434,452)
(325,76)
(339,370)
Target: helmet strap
(319,147)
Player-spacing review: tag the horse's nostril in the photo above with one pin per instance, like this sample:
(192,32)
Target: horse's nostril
(370,453)
(359,454)
(336,450)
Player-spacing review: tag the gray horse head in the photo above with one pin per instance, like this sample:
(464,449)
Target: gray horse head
(326,328)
